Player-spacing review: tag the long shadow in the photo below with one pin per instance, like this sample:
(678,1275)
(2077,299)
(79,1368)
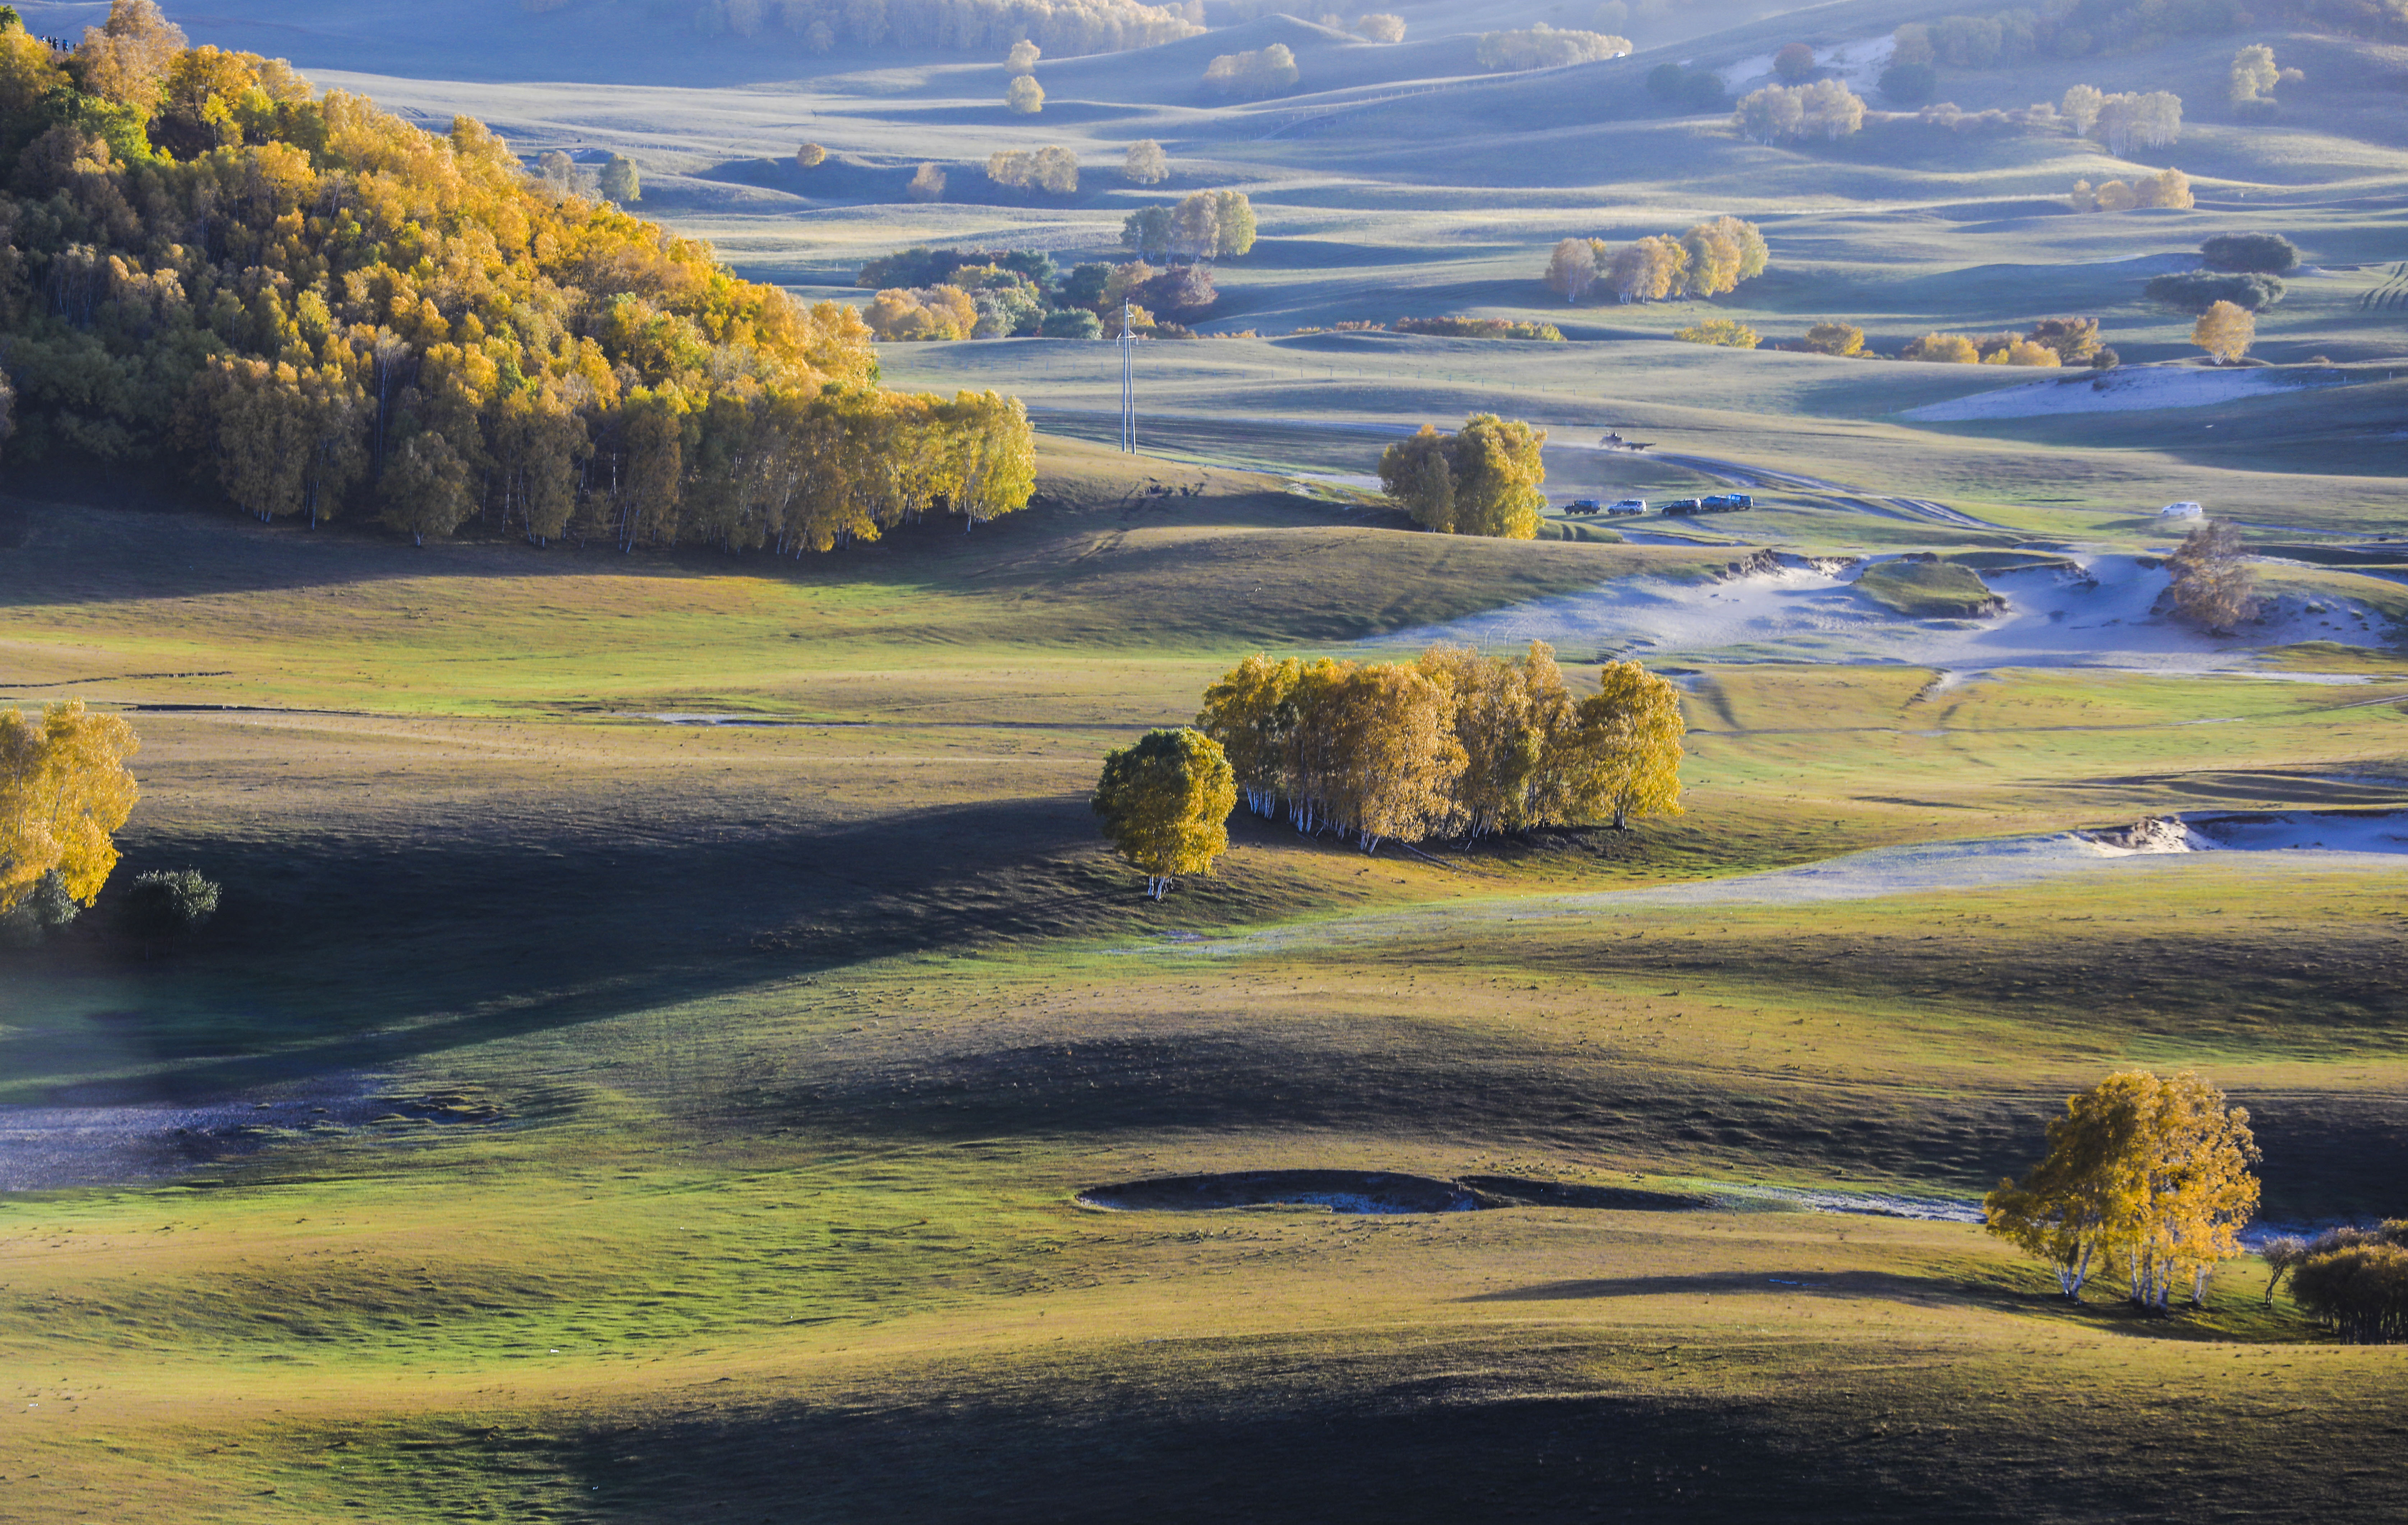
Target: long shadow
(1846,1283)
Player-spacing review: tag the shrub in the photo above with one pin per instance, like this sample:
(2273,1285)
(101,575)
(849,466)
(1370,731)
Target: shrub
(163,902)
(1910,84)
(810,156)
(1947,348)
(44,909)
(2196,291)
(1838,339)
(1728,332)
(2104,358)
(2250,253)
(1457,328)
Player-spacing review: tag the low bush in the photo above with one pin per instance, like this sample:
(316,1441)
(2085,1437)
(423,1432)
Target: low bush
(1452,327)
(2196,291)
(168,901)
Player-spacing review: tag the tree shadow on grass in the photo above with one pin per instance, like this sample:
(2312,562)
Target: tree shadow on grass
(1927,1291)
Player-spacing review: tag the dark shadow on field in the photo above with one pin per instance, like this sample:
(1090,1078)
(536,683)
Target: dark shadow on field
(1455,1431)
(1921,1290)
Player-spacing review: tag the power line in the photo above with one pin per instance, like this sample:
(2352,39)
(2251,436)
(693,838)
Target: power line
(1129,382)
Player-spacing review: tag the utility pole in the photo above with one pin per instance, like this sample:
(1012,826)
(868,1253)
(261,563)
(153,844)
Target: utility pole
(1129,383)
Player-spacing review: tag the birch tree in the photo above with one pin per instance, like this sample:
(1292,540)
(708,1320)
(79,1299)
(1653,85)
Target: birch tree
(65,791)
(1164,805)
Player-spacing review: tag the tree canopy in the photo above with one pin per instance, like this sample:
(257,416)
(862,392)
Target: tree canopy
(328,310)
(1165,804)
(1777,113)
(65,791)
(2225,331)
(2212,585)
(1146,163)
(2152,1174)
(1543,47)
(1265,71)
(1482,480)
(1025,96)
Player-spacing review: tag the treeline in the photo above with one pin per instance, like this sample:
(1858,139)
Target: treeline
(926,294)
(1208,224)
(1457,327)
(1709,259)
(1543,47)
(328,310)
(958,27)
(2167,187)
(1779,113)
(1455,744)
(1482,480)
(2065,29)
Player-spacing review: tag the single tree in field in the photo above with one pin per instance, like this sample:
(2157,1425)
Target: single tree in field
(1147,164)
(1572,269)
(1380,26)
(2283,1255)
(621,184)
(2149,1172)
(1022,58)
(1025,96)
(2225,331)
(2255,76)
(810,156)
(1165,804)
(2213,585)
(927,184)
(2250,253)
(1794,62)
(63,793)
(1840,339)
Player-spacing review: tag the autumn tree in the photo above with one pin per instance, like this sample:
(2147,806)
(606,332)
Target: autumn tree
(1165,804)
(2255,75)
(1826,109)
(1572,269)
(1947,348)
(1025,96)
(1265,71)
(810,156)
(1544,47)
(927,183)
(2225,331)
(2213,585)
(126,58)
(1022,58)
(1649,269)
(1623,756)
(621,184)
(1794,62)
(1380,26)
(2152,1176)
(1146,163)
(1482,480)
(2074,340)
(65,791)
(1727,333)
(1835,338)
(1051,169)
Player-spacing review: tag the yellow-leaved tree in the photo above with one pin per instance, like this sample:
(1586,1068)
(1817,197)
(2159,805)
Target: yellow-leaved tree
(2225,331)
(1621,755)
(1482,480)
(1165,804)
(63,792)
(2154,1174)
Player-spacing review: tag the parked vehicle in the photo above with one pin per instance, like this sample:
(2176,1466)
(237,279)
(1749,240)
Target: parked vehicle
(1727,502)
(1584,505)
(1684,505)
(1628,504)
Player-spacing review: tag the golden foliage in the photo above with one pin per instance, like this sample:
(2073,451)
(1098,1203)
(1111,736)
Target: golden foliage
(2151,1173)
(2225,331)
(1728,332)
(63,793)
(1946,349)
(2213,585)
(1836,338)
(1025,96)
(1165,804)
(1482,480)
(1146,163)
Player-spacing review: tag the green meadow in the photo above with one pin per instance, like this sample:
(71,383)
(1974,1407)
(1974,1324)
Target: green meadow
(666,1008)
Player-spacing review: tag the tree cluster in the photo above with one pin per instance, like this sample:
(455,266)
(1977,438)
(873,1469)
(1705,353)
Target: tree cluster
(1053,168)
(1251,75)
(1165,804)
(1987,350)
(1460,327)
(2120,123)
(65,791)
(2353,1281)
(2196,291)
(1844,340)
(1380,26)
(1543,47)
(1482,480)
(1689,89)
(2063,29)
(2167,187)
(2258,253)
(328,310)
(2255,75)
(987,27)
(2151,1176)
(951,293)
(1709,259)
(1782,113)
(1208,224)
(2214,587)
(1454,744)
